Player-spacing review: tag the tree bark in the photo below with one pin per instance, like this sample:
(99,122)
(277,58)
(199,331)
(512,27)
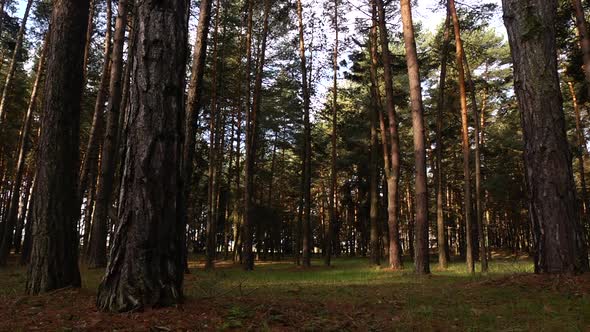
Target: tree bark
(20,165)
(478,180)
(151,187)
(582,29)
(13,62)
(582,151)
(97,255)
(421,257)
(54,253)
(393,170)
(558,236)
(304,218)
(194,102)
(464,138)
(91,155)
(373,168)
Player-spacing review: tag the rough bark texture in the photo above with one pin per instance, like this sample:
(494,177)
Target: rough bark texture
(13,62)
(421,256)
(54,254)
(464,139)
(20,165)
(558,237)
(393,170)
(97,255)
(145,267)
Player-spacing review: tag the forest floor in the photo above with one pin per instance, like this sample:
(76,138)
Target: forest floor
(351,295)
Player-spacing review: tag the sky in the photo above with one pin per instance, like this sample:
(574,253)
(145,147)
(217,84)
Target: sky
(424,13)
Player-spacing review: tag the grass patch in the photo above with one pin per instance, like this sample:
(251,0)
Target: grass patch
(350,295)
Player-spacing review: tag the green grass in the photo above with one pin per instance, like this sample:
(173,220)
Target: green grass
(352,295)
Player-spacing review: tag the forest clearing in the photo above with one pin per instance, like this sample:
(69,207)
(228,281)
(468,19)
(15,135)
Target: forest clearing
(350,296)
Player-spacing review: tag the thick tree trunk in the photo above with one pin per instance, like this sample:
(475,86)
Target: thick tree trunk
(443,249)
(251,144)
(464,138)
(149,215)
(13,62)
(421,257)
(395,259)
(558,235)
(20,165)
(54,253)
(97,255)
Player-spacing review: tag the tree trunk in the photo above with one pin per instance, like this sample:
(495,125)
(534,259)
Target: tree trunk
(149,215)
(304,221)
(89,33)
(443,249)
(330,229)
(373,168)
(194,104)
(13,62)
(213,135)
(582,150)
(558,236)
(395,259)
(54,253)
(20,165)
(25,254)
(421,257)
(91,155)
(97,255)
(24,207)
(582,29)
(464,139)
(478,180)
(251,142)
